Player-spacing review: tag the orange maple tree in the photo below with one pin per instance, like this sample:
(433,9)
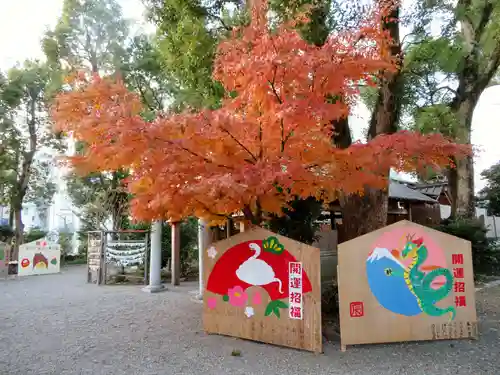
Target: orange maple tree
(270,141)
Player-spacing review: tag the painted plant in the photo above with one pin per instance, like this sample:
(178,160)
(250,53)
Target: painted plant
(405,283)
(263,263)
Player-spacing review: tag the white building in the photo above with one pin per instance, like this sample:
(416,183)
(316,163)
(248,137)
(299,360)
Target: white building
(60,215)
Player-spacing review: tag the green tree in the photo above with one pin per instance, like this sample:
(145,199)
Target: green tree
(144,71)
(489,196)
(99,197)
(447,74)
(92,36)
(29,89)
(89,34)
(188,32)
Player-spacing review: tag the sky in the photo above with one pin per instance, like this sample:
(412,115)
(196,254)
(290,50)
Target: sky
(23,23)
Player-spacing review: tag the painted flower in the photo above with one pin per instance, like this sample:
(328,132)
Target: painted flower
(237,296)
(211,303)
(256,299)
(249,311)
(212,252)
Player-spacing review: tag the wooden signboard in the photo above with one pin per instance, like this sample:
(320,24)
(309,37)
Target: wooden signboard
(39,257)
(405,282)
(264,287)
(94,257)
(4,260)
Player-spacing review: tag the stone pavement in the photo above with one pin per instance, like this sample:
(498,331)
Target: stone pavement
(59,325)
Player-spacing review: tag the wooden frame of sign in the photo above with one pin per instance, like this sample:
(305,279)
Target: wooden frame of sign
(4,260)
(39,257)
(263,287)
(95,257)
(406,282)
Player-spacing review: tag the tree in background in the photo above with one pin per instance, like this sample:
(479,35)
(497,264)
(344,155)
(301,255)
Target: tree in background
(187,35)
(489,196)
(188,57)
(144,72)
(269,143)
(28,90)
(446,73)
(365,212)
(92,35)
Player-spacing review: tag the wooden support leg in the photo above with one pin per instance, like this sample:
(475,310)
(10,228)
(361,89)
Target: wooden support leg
(176,252)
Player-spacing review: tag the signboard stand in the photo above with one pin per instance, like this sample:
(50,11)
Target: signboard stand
(405,282)
(263,287)
(39,257)
(4,260)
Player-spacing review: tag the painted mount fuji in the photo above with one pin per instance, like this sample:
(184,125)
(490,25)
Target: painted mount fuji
(385,276)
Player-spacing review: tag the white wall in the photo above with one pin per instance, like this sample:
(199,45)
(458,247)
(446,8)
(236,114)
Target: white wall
(492,223)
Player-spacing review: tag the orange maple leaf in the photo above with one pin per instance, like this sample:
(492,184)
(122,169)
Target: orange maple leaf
(269,143)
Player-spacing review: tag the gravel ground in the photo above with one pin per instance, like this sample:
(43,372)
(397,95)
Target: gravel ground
(59,325)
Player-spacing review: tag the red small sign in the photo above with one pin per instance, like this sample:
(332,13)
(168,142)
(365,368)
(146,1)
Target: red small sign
(357,310)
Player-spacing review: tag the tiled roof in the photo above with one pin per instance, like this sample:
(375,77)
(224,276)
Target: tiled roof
(403,192)
(433,190)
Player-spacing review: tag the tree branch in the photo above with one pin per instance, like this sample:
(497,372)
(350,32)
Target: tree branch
(491,67)
(485,17)
(210,212)
(239,143)
(273,87)
(193,153)
(216,17)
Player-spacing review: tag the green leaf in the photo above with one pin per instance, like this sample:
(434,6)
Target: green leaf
(281,304)
(225,298)
(269,309)
(277,311)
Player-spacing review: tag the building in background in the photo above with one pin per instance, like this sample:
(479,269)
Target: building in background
(60,215)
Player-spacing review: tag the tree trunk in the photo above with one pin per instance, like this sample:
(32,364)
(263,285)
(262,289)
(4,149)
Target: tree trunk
(11,216)
(363,214)
(19,230)
(461,184)
(478,67)
(23,179)
(461,178)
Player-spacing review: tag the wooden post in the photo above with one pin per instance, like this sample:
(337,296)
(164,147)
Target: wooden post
(203,242)
(146,258)
(101,258)
(229,227)
(176,252)
(242,226)
(154,259)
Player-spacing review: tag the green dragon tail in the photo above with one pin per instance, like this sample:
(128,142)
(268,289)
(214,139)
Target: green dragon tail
(437,311)
(429,294)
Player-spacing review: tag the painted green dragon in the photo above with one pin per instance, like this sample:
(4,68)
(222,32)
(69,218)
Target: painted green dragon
(420,282)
